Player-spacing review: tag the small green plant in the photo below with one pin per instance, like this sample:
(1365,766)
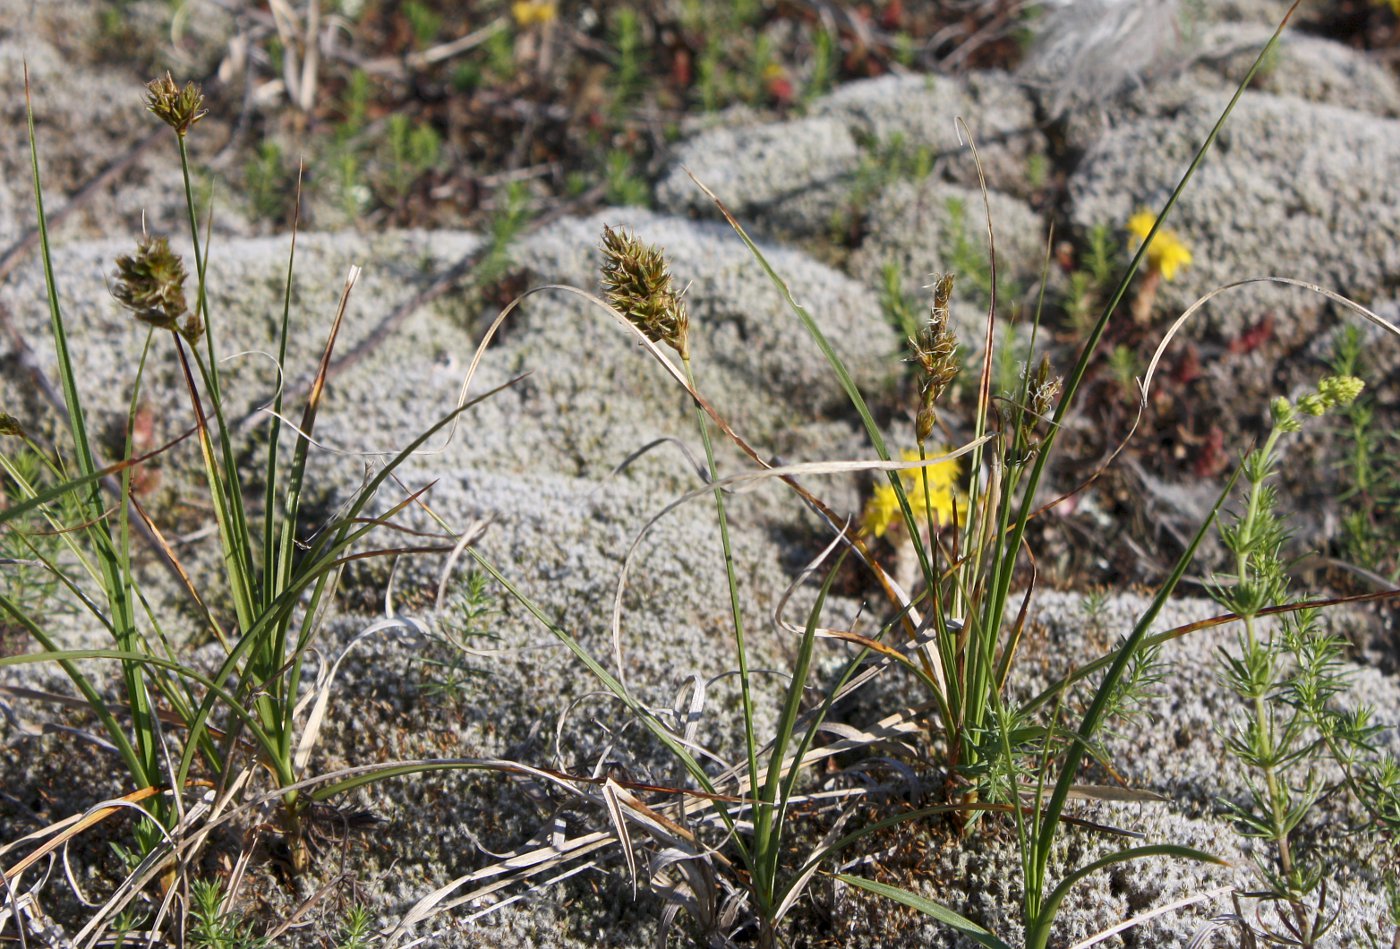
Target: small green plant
(1092,279)
(358,930)
(511,217)
(966,257)
(624,186)
(1288,682)
(898,307)
(424,21)
(413,150)
(628,42)
(1037,171)
(464,629)
(825,53)
(1371,473)
(214,926)
(265,177)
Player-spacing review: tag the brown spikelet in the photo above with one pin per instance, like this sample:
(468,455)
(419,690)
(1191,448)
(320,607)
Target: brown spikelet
(934,349)
(637,283)
(151,284)
(179,108)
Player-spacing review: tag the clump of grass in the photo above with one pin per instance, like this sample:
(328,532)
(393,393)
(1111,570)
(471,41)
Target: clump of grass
(276,583)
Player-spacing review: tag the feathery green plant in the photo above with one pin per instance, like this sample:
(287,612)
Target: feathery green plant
(1371,472)
(1289,680)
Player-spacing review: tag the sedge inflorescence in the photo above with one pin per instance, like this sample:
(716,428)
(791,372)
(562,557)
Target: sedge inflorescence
(151,284)
(637,283)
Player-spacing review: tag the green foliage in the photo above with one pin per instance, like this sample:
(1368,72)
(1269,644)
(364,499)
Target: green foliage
(1037,171)
(1370,472)
(267,182)
(825,53)
(964,251)
(1092,279)
(413,150)
(464,629)
(1290,679)
(275,585)
(26,548)
(358,930)
(425,22)
(897,306)
(627,41)
(213,927)
(624,186)
(511,216)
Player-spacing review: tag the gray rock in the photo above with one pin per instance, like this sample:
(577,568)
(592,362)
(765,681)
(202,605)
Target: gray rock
(791,176)
(81,131)
(1293,188)
(919,228)
(922,110)
(805,170)
(1303,66)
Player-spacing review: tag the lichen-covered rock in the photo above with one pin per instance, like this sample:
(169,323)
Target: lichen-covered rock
(922,111)
(789,176)
(1302,66)
(933,227)
(806,169)
(1292,188)
(87,116)
(1215,59)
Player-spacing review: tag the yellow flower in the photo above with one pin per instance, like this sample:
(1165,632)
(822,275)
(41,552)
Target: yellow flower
(1167,254)
(943,501)
(529,13)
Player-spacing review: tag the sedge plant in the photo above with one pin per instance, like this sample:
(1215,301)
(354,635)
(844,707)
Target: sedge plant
(747,879)
(963,628)
(278,582)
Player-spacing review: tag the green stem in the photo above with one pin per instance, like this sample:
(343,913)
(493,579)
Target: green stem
(763,816)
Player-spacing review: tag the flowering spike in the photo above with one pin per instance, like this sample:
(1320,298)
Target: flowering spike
(637,283)
(151,284)
(176,107)
(934,349)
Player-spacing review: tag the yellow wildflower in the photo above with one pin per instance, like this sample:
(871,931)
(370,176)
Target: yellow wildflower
(1167,254)
(943,501)
(530,13)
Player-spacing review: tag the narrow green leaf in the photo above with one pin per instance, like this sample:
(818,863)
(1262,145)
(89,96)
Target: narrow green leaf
(929,908)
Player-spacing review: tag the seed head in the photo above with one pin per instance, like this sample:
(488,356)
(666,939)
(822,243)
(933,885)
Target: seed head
(637,283)
(151,284)
(176,107)
(1042,389)
(934,349)
(9,425)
